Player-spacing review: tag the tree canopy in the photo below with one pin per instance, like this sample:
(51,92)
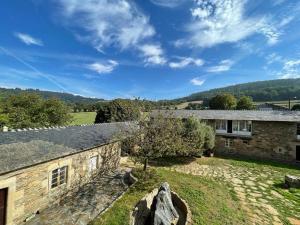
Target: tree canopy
(223,101)
(30,110)
(117,111)
(162,137)
(245,102)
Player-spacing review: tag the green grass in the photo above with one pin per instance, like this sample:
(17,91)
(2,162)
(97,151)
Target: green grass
(83,118)
(210,202)
(213,200)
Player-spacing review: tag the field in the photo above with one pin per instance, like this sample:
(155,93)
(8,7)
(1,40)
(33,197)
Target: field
(218,191)
(83,118)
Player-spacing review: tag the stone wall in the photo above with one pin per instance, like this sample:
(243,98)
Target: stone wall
(269,140)
(29,189)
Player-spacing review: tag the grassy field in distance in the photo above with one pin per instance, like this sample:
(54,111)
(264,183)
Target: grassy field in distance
(83,118)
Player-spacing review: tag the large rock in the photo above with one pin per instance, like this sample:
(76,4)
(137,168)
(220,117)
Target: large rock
(162,208)
(292,181)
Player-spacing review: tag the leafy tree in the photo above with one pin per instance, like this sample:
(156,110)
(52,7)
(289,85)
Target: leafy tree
(161,137)
(118,110)
(223,101)
(296,107)
(30,110)
(197,136)
(155,138)
(245,102)
(56,112)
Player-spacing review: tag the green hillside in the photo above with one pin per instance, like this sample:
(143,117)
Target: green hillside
(271,90)
(66,97)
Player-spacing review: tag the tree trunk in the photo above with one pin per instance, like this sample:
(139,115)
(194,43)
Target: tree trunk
(145,164)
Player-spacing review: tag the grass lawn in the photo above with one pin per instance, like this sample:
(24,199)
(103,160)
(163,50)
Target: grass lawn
(83,118)
(218,191)
(210,202)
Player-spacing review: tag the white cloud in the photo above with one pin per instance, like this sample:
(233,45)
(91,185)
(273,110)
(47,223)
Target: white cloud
(153,54)
(291,69)
(28,40)
(273,57)
(223,66)
(224,21)
(168,3)
(185,61)
(197,81)
(102,68)
(117,23)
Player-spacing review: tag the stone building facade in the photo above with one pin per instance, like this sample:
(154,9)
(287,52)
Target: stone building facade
(273,135)
(268,140)
(40,168)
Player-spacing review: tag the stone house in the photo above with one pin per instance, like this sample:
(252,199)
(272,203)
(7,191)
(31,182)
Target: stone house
(37,167)
(273,135)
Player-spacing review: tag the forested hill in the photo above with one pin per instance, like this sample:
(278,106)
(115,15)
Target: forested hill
(271,90)
(66,97)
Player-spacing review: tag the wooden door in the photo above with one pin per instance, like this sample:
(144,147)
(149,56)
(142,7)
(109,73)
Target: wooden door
(3,203)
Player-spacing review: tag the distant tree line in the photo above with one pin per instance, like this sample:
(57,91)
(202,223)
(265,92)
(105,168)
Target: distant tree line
(272,90)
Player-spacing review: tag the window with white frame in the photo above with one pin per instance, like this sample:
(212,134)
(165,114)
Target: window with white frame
(221,126)
(228,142)
(93,163)
(298,131)
(59,176)
(242,127)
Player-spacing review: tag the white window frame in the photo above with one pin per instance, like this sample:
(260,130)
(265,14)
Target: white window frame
(228,142)
(59,176)
(221,131)
(93,163)
(242,132)
(298,131)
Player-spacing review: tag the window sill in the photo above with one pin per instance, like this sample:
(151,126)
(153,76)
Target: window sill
(248,136)
(221,131)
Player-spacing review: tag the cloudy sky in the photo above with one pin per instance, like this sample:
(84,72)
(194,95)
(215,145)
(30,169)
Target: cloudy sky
(155,49)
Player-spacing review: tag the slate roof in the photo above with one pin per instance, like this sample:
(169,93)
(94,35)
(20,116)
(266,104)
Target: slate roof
(254,115)
(26,148)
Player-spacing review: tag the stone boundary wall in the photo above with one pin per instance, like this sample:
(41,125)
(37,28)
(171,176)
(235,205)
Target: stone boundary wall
(29,189)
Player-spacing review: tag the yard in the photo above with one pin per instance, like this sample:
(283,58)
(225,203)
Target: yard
(218,191)
(83,118)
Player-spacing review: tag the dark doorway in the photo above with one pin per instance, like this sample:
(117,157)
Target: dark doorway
(3,203)
(229,126)
(298,152)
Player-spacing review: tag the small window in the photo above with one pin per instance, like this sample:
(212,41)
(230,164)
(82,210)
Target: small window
(298,130)
(59,176)
(228,142)
(93,164)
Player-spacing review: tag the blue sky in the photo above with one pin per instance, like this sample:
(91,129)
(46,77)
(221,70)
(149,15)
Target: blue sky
(154,49)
